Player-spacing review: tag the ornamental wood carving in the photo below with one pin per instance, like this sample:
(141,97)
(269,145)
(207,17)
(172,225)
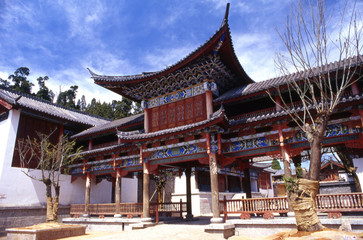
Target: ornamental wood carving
(183,112)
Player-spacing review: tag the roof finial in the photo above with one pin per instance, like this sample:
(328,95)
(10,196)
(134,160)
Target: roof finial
(92,73)
(225,19)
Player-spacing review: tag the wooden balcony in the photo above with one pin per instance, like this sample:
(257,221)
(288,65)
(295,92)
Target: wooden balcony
(130,209)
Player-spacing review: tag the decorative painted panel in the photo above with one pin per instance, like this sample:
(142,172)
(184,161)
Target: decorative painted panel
(180,95)
(331,131)
(76,170)
(176,152)
(246,144)
(100,167)
(130,162)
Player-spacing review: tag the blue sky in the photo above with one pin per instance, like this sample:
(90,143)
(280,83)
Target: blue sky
(61,38)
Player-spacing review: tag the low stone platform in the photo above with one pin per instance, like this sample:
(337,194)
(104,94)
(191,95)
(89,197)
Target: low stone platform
(224,230)
(109,224)
(262,227)
(46,233)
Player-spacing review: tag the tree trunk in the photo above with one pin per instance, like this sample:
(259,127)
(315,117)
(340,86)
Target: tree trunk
(56,203)
(302,196)
(348,164)
(49,217)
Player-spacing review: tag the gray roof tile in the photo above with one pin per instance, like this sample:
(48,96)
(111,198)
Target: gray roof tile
(138,118)
(278,81)
(21,100)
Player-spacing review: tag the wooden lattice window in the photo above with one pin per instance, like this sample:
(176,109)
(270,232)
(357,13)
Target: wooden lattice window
(163,117)
(171,115)
(180,113)
(189,110)
(155,119)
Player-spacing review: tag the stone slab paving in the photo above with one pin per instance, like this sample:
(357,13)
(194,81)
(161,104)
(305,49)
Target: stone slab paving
(177,230)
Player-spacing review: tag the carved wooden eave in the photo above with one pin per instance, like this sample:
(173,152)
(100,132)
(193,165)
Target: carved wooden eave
(214,60)
(217,118)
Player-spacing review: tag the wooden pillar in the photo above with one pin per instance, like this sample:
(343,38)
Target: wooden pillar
(226,182)
(214,188)
(355,89)
(145,192)
(188,173)
(278,103)
(147,120)
(118,192)
(284,154)
(241,183)
(247,182)
(209,103)
(90,144)
(87,195)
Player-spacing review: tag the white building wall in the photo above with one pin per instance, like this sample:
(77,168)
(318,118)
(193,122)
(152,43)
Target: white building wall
(180,193)
(20,190)
(129,190)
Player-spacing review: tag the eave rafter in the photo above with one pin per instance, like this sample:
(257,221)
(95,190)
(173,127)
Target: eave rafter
(206,68)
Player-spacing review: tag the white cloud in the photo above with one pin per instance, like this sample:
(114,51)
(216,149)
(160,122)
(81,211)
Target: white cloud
(162,58)
(256,53)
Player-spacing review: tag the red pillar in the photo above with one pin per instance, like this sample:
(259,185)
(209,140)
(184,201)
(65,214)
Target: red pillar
(118,192)
(147,120)
(209,103)
(87,195)
(145,192)
(284,154)
(90,144)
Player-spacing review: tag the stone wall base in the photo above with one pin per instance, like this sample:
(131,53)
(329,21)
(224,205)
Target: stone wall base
(45,234)
(12,217)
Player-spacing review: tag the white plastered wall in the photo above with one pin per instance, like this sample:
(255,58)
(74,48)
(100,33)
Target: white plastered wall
(129,190)
(180,192)
(20,190)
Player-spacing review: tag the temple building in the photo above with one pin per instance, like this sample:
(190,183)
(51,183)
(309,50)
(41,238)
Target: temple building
(205,122)
(205,118)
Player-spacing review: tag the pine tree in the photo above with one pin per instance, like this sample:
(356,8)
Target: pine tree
(275,164)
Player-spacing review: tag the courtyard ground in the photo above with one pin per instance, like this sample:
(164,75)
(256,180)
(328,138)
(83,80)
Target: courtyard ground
(194,230)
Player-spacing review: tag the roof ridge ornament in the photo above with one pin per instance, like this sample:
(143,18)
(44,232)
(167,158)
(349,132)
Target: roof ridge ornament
(92,73)
(225,19)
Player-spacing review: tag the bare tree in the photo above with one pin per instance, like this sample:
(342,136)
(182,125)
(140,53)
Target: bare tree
(312,93)
(51,160)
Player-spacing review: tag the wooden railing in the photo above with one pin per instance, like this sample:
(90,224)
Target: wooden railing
(130,209)
(333,204)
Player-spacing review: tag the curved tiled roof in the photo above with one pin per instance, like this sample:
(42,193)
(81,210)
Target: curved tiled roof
(137,135)
(278,81)
(275,114)
(104,149)
(138,118)
(226,51)
(22,100)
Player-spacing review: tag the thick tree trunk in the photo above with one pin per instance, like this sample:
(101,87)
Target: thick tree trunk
(49,217)
(56,203)
(302,199)
(302,194)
